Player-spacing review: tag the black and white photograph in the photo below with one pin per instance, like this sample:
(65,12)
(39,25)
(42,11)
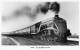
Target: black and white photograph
(48,23)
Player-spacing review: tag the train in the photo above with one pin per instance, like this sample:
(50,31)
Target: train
(52,29)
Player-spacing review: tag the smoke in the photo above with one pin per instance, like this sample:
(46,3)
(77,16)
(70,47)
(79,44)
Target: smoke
(25,10)
(55,7)
(28,11)
(34,10)
(44,9)
(40,8)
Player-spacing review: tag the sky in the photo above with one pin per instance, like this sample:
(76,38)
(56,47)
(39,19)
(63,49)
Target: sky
(10,22)
(70,12)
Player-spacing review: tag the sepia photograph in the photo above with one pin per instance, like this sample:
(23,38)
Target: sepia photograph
(47,23)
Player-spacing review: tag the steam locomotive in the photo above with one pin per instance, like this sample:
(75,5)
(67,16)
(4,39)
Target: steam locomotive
(53,29)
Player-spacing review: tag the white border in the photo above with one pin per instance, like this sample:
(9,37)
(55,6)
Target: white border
(28,47)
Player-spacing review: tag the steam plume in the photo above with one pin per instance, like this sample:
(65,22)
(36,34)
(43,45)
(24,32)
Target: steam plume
(55,7)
